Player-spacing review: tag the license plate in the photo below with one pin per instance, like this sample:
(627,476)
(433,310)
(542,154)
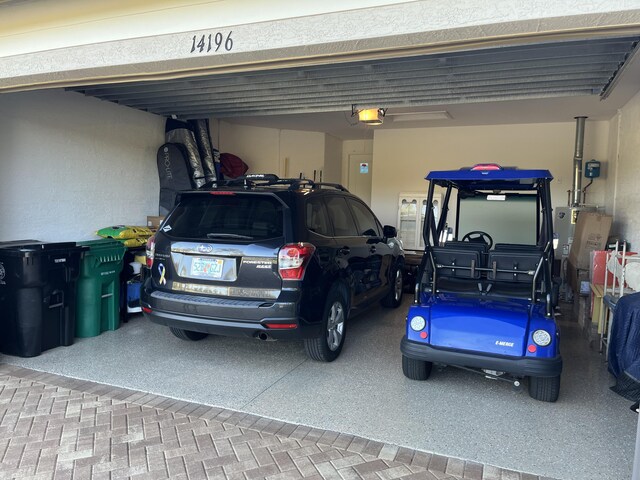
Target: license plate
(206,267)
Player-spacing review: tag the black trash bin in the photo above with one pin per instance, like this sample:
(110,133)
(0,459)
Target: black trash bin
(37,295)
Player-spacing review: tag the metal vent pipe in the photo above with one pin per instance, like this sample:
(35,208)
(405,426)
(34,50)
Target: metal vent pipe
(577,162)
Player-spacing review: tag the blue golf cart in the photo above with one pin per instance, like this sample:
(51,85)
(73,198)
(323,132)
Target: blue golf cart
(484,294)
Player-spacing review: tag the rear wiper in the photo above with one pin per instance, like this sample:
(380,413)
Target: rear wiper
(229,235)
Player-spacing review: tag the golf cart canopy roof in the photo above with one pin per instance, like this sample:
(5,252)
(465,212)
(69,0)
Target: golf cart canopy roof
(489,177)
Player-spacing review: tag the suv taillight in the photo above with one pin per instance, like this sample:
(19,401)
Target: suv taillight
(293,259)
(151,250)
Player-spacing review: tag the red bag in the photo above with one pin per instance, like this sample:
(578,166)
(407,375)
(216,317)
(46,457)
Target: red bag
(232,166)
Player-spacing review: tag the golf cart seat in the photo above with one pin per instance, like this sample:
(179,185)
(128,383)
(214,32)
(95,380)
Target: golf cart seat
(512,272)
(455,262)
(480,247)
(517,247)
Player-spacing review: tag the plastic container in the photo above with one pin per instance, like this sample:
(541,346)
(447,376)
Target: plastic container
(133,295)
(98,299)
(37,295)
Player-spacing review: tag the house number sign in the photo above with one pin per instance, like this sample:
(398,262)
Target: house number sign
(213,41)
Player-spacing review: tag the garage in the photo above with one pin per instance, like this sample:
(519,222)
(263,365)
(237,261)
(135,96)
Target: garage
(81,128)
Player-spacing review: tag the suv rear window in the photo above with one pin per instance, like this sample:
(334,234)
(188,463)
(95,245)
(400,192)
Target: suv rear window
(232,217)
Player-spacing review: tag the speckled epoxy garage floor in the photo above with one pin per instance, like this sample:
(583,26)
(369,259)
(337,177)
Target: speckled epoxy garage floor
(588,434)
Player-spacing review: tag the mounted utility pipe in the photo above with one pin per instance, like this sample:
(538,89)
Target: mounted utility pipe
(577,162)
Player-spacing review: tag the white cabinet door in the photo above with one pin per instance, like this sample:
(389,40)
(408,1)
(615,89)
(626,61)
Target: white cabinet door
(412,210)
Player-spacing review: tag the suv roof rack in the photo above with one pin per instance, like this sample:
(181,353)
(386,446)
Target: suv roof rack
(337,186)
(268,179)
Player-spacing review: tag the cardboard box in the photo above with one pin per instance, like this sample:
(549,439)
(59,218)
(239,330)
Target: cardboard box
(578,279)
(583,314)
(154,221)
(581,311)
(592,231)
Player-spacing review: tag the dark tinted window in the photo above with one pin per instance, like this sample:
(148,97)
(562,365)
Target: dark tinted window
(343,224)
(233,217)
(367,224)
(317,218)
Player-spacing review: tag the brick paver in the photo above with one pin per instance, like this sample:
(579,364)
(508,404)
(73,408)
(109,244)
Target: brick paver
(55,427)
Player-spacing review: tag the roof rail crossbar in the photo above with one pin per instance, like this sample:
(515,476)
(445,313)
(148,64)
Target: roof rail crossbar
(337,186)
(266,179)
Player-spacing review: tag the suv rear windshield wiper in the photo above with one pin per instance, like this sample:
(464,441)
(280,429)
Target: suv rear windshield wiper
(229,235)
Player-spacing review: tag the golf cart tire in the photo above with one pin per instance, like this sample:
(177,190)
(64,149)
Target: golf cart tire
(187,334)
(416,369)
(545,389)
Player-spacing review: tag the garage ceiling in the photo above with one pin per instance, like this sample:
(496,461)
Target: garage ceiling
(544,70)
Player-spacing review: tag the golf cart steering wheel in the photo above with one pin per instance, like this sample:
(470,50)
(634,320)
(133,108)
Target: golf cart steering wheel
(478,236)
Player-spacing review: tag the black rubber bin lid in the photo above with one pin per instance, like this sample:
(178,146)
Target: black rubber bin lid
(23,248)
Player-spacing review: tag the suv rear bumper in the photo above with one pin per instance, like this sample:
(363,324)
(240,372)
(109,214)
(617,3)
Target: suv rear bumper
(228,317)
(519,366)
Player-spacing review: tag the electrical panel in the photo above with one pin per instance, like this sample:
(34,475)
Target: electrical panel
(592,169)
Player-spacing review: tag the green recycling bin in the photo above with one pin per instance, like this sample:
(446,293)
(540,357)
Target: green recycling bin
(98,288)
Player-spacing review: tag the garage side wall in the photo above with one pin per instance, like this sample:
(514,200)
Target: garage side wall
(257,146)
(332,159)
(627,216)
(70,165)
(287,153)
(353,147)
(402,158)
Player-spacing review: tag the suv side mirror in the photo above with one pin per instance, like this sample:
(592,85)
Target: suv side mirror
(389,232)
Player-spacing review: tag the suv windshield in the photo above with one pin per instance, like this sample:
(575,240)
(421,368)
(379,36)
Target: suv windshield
(227,217)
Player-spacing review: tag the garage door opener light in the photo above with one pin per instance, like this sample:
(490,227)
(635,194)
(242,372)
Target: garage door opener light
(369,116)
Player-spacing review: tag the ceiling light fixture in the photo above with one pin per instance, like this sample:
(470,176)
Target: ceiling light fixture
(369,116)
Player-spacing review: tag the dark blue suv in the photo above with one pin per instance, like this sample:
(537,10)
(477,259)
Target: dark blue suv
(484,298)
(272,259)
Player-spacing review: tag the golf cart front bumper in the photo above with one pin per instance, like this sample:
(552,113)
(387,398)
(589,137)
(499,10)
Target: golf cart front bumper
(518,366)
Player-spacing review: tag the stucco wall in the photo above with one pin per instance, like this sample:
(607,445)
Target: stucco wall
(353,147)
(63,42)
(611,170)
(305,151)
(267,150)
(627,215)
(332,159)
(402,158)
(70,165)
(258,147)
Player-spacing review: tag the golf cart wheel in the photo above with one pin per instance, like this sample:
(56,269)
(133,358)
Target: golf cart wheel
(394,298)
(187,334)
(545,389)
(416,369)
(328,345)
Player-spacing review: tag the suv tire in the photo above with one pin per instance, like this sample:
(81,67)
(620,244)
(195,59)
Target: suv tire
(416,369)
(187,334)
(393,299)
(545,389)
(327,346)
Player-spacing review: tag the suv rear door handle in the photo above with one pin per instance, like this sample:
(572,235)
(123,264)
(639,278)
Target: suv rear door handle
(372,249)
(344,251)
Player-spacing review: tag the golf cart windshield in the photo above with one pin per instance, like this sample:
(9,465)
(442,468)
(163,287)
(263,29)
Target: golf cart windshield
(509,205)
(507,218)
